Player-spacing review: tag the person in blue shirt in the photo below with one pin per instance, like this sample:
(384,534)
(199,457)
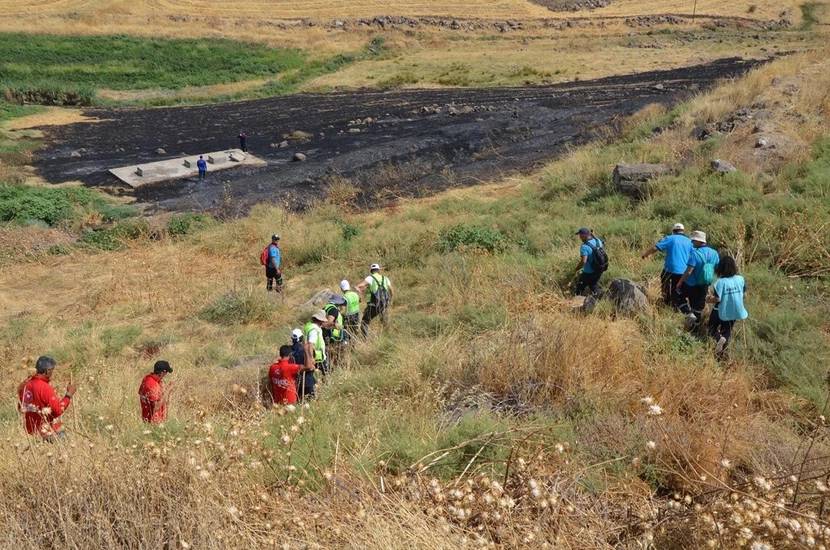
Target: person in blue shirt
(693,284)
(202,166)
(273,271)
(677,248)
(728,300)
(586,269)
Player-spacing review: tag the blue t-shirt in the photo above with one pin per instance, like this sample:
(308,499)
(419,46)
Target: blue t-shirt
(677,249)
(698,257)
(274,258)
(201,165)
(731,290)
(586,250)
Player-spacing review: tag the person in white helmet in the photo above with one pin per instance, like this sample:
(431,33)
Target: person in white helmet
(380,297)
(351,319)
(305,378)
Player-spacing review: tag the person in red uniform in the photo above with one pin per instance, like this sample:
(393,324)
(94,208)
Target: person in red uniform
(151,394)
(283,376)
(39,403)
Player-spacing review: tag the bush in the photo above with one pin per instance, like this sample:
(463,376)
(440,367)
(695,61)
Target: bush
(53,205)
(468,237)
(237,307)
(113,238)
(184,224)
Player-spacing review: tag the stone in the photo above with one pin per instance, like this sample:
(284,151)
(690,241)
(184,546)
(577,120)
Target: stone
(627,297)
(723,166)
(161,151)
(354,130)
(75,154)
(187,163)
(299,157)
(701,133)
(633,179)
(283,144)
(659,87)
(236,156)
(764,143)
(138,171)
(588,304)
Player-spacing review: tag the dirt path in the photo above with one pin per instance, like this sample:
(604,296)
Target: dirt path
(414,143)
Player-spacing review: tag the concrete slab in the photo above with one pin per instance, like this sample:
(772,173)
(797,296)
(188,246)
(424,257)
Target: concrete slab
(183,167)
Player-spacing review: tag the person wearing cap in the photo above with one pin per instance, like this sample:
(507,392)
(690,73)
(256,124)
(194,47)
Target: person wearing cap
(273,269)
(677,248)
(39,403)
(695,281)
(380,297)
(315,343)
(335,319)
(351,319)
(151,394)
(283,378)
(589,273)
(305,379)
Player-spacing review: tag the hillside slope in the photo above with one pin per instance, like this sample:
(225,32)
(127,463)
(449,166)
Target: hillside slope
(488,412)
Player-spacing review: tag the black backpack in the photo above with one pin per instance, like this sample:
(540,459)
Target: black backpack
(599,257)
(381,297)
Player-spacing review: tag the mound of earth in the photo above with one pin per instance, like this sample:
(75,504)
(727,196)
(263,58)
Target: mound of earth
(572,5)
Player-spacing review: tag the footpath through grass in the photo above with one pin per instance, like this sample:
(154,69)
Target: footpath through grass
(70,70)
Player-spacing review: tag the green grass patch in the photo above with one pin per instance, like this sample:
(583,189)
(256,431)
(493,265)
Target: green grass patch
(238,307)
(55,205)
(67,70)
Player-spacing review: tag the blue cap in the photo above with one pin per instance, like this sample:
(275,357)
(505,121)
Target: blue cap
(583,231)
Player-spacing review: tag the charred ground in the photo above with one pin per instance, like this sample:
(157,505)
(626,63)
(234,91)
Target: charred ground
(387,144)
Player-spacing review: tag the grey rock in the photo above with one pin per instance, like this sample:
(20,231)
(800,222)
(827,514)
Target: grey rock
(628,297)
(588,305)
(633,179)
(701,133)
(659,87)
(764,143)
(161,151)
(75,154)
(299,157)
(283,144)
(723,166)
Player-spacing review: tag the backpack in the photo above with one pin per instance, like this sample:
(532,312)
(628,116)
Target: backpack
(707,273)
(599,258)
(381,297)
(263,256)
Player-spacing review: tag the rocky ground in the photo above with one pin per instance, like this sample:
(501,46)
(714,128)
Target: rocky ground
(385,144)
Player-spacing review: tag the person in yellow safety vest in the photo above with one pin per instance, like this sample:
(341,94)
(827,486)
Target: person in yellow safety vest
(335,317)
(351,319)
(315,343)
(380,297)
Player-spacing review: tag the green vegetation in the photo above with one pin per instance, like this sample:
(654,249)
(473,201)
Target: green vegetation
(56,205)
(237,307)
(69,70)
(184,224)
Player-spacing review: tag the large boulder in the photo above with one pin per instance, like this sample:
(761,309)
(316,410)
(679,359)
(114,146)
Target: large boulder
(628,297)
(721,166)
(633,179)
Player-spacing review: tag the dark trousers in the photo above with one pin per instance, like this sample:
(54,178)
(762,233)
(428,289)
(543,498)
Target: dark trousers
(372,311)
(588,282)
(243,144)
(274,276)
(351,323)
(668,284)
(720,329)
(693,299)
(305,385)
(202,174)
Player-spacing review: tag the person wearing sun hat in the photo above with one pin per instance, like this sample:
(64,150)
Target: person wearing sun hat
(315,343)
(677,248)
(699,274)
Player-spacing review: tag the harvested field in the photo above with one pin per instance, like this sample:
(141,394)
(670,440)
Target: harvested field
(409,143)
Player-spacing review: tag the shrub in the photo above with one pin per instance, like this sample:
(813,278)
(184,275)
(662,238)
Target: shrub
(237,307)
(184,224)
(469,237)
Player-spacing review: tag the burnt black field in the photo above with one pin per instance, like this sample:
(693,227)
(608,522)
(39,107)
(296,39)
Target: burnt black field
(416,142)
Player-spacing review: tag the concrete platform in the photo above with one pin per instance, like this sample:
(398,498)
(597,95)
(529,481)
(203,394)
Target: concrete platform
(138,175)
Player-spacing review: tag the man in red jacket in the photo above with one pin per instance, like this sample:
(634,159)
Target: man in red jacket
(283,376)
(39,403)
(151,394)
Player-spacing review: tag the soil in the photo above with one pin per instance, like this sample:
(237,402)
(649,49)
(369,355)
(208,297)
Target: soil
(386,144)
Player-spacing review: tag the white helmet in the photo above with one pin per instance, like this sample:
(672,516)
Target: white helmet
(296,335)
(344,285)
